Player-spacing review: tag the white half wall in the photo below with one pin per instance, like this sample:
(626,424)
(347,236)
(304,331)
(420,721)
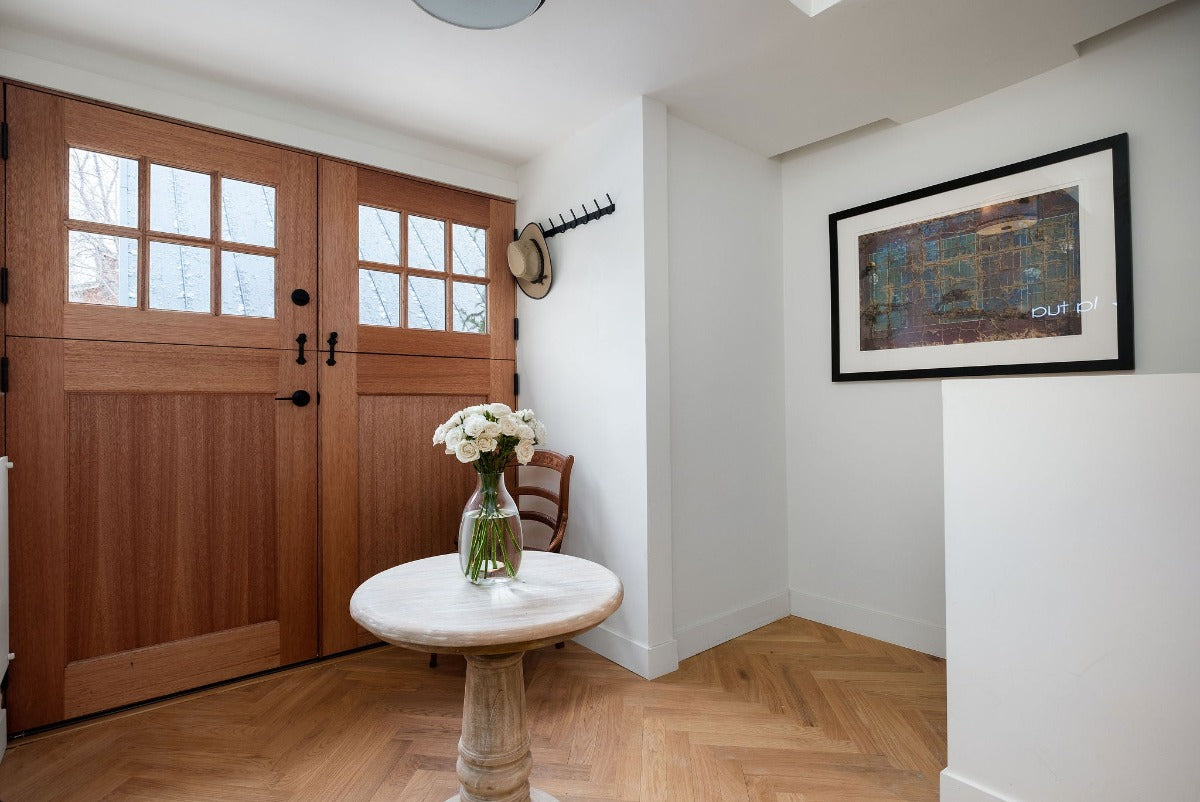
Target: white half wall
(864,491)
(593,365)
(726,369)
(1072,548)
(100,76)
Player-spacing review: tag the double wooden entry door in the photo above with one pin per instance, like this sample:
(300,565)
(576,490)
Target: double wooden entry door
(225,361)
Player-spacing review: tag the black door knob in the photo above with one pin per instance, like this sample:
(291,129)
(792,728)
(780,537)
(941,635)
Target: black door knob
(300,398)
(300,297)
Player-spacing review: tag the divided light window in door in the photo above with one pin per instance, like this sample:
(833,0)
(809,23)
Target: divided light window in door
(153,236)
(420,272)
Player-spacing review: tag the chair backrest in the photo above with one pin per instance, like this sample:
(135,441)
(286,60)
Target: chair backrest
(560,499)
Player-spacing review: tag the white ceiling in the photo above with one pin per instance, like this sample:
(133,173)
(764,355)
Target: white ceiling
(759,72)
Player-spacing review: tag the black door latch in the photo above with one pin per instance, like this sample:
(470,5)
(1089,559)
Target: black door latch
(300,398)
(332,349)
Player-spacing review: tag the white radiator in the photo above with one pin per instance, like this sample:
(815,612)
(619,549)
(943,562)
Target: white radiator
(5,655)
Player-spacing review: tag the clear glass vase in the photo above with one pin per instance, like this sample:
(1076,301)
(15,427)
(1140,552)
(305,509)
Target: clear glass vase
(490,540)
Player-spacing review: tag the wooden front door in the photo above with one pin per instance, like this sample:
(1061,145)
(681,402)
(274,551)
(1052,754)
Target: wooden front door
(414,283)
(163,515)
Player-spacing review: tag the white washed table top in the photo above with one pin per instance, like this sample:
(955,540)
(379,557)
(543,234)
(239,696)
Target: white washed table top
(429,605)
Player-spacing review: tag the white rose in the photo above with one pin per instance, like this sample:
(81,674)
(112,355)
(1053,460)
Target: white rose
(540,431)
(485,443)
(492,430)
(525,431)
(454,437)
(474,424)
(439,434)
(467,451)
(508,425)
(524,452)
(499,410)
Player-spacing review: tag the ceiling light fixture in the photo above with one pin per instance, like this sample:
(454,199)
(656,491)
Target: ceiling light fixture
(480,14)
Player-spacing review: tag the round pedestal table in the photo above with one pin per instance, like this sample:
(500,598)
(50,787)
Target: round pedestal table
(428,605)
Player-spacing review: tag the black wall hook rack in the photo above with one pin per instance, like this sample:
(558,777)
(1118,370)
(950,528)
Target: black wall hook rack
(566,225)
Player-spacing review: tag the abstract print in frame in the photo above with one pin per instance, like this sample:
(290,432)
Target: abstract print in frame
(1021,269)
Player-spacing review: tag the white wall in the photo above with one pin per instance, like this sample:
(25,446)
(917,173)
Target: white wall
(726,360)
(1072,548)
(590,373)
(865,469)
(99,76)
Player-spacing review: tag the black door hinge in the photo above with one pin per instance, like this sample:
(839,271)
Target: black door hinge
(4,140)
(516,328)
(3,285)
(516,383)
(3,374)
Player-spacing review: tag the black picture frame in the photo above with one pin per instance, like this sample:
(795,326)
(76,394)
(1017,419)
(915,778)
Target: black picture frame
(1020,269)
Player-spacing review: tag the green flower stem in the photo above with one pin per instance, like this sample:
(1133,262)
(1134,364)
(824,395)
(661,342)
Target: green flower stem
(493,542)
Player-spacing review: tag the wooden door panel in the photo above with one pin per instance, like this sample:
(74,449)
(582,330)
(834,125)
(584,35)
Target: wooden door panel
(343,187)
(37,532)
(122,133)
(45,126)
(100,367)
(379,374)
(163,522)
(388,495)
(379,188)
(400,517)
(168,491)
(3,306)
(112,680)
(35,169)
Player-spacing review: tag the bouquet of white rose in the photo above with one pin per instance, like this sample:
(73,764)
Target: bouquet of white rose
(487,436)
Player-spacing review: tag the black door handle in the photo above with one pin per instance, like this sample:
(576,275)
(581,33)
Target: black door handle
(301,339)
(300,398)
(332,349)
(300,297)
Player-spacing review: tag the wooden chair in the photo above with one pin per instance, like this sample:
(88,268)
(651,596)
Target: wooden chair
(560,499)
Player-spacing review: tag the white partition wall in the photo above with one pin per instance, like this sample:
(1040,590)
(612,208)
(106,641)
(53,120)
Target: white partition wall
(1073,588)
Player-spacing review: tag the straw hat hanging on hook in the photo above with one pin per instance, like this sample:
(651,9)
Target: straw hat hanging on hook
(529,262)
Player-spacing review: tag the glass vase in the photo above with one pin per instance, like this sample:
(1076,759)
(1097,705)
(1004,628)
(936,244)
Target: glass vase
(490,540)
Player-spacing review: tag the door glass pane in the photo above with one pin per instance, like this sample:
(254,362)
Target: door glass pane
(180,277)
(378,298)
(247,213)
(247,284)
(103,188)
(180,201)
(426,303)
(426,243)
(102,269)
(378,236)
(470,307)
(470,250)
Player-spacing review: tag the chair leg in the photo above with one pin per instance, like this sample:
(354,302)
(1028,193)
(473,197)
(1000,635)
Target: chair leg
(433,661)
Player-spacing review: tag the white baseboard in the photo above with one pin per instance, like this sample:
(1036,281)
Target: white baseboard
(958,789)
(645,661)
(715,631)
(919,635)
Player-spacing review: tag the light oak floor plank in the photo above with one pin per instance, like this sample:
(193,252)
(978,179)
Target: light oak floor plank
(794,711)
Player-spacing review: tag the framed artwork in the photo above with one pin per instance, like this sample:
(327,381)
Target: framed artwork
(1021,269)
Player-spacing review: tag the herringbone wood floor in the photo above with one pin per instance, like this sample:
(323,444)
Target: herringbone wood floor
(793,712)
